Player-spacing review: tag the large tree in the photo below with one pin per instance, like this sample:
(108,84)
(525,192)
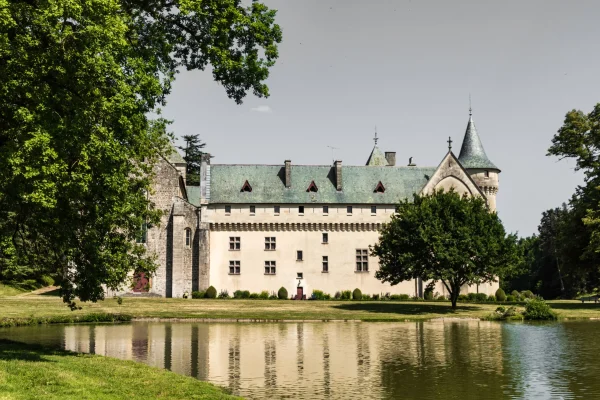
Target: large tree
(445,237)
(78,80)
(192,154)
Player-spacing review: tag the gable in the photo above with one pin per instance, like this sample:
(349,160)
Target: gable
(451,174)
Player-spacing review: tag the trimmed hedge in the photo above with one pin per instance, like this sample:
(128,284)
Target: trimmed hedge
(282,293)
(211,293)
(500,295)
(357,294)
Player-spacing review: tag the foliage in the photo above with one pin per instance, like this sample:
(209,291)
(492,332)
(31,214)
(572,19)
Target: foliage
(375,296)
(357,294)
(337,295)
(500,295)
(428,294)
(198,294)
(273,296)
(503,313)
(254,296)
(515,294)
(211,293)
(79,84)
(224,294)
(511,298)
(346,295)
(463,297)
(445,237)
(366,297)
(264,295)
(528,294)
(537,309)
(192,154)
(491,298)
(400,297)
(282,293)
(318,295)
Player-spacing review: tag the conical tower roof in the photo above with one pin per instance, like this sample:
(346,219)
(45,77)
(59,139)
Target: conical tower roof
(377,158)
(472,154)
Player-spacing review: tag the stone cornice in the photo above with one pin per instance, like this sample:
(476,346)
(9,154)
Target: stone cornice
(295,226)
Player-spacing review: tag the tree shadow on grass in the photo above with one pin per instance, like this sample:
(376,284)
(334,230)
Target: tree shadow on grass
(405,308)
(575,306)
(11,350)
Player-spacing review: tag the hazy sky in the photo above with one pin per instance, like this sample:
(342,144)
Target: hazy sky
(408,68)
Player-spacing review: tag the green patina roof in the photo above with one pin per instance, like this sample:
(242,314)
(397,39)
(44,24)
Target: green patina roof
(472,154)
(193,193)
(174,157)
(377,158)
(359,184)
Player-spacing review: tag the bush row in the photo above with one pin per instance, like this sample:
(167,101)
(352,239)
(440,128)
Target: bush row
(536,309)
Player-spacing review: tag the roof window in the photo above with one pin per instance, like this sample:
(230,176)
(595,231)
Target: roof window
(246,187)
(312,187)
(379,188)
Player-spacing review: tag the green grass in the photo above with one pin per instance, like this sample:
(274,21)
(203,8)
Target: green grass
(41,309)
(35,372)
(7,290)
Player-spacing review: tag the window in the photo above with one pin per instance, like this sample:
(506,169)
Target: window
(276,210)
(299,275)
(227,209)
(143,234)
(487,174)
(373,209)
(379,188)
(234,267)
(325,209)
(246,187)
(234,243)
(188,237)
(299,255)
(325,237)
(362,260)
(349,209)
(301,210)
(325,264)
(252,209)
(269,243)
(269,267)
(312,187)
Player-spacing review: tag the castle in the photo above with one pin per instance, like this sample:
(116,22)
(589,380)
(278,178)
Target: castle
(303,227)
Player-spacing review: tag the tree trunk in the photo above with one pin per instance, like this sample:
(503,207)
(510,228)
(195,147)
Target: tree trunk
(454,298)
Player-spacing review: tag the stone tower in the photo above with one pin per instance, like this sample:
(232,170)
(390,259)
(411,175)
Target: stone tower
(473,158)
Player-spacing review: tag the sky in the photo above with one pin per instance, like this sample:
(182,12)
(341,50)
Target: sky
(408,68)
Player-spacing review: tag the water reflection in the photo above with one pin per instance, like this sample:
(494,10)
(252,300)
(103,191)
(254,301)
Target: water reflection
(451,360)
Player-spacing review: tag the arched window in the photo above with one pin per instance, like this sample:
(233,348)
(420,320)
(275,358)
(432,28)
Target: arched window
(188,237)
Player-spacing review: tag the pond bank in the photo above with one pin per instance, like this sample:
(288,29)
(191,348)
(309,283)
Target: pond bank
(35,372)
(33,310)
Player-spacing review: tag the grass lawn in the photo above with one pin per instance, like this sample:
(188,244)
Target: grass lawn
(34,372)
(6,290)
(20,309)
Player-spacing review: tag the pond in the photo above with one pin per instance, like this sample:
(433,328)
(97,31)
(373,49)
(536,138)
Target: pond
(342,360)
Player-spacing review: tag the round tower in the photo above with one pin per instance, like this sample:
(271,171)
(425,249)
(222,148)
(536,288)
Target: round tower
(473,158)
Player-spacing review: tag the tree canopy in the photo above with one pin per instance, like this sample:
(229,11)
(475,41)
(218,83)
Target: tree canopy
(192,154)
(78,80)
(446,238)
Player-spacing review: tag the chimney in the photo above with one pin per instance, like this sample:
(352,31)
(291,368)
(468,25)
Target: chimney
(338,175)
(205,178)
(390,156)
(288,173)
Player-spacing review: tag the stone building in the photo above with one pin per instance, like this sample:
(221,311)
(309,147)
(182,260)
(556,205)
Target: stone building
(303,227)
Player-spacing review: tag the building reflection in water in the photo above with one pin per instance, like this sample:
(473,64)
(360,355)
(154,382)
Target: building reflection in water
(314,360)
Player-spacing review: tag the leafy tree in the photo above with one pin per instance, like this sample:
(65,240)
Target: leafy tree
(193,157)
(446,238)
(78,80)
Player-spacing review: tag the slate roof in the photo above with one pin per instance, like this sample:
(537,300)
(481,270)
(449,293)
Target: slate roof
(193,193)
(175,157)
(359,183)
(472,154)
(377,158)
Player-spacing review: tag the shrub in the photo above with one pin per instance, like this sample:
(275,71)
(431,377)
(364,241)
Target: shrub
(366,297)
(481,297)
(515,294)
(346,295)
(282,293)
(510,297)
(463,297)
(318,295)
(273,297)
(416,298)
(254,296)
(404,297)
(46,280)
(119,300)
(441,297)
(491,298)
(503,313)
(337,295)
(326,296)
(500,295)
(198,294)
(245,294)
(224,294)
(211,293)
(238,294)
(264,295)
(357,294)
(538,310)
(472,296)
(375,297)
(528,294)
(428,295)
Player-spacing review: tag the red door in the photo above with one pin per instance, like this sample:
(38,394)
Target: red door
(298,293)
(140,282)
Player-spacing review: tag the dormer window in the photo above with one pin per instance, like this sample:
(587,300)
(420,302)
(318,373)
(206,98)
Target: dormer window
(379,188)
(312,187)
(246,187)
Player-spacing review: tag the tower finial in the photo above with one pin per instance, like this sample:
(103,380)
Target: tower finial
(375,138)
(470,109)
(449,143)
